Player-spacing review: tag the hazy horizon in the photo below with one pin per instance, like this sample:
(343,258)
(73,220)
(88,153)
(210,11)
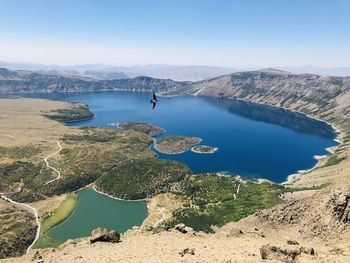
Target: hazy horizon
(220,33)
(237,67)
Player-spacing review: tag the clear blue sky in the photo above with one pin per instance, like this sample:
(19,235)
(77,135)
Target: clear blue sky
(213,32)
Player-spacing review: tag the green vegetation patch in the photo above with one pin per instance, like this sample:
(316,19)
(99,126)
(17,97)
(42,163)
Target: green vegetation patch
(143,127)
(77,113)
(26,175)
(333,160)
(139,179)
(211,201)
(95,152)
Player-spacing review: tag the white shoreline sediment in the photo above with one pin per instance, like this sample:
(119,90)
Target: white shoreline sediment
(339,139)
(116,198)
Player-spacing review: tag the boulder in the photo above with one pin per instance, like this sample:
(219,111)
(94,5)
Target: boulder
(308,250)
(292,242)
(341,208)
(181,228)
(189,251)
(104,235)
(188,229)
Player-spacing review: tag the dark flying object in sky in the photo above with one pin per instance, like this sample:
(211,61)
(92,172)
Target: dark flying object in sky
(154,100)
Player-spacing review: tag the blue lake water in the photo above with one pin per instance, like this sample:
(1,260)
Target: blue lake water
(97,210)
(254,141)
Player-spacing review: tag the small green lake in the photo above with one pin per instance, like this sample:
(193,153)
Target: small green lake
(97,210)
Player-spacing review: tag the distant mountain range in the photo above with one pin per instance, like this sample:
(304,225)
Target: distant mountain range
(105,72)
(174,72)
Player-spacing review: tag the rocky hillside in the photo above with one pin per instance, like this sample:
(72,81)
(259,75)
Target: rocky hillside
(325,97)
(27,81)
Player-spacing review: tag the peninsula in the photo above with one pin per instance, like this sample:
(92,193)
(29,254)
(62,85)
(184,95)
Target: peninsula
(175,144)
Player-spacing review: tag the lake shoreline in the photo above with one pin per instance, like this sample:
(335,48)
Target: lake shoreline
(339,138)
(115,198)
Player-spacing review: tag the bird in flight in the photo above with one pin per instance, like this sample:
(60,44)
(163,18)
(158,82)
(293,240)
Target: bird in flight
(154,100)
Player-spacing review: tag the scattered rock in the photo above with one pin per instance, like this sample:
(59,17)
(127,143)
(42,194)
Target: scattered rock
(341,208)
(104,235)
(189,251)
(308,250)
(336,251)
(282,254)
(37,257)
(292,242)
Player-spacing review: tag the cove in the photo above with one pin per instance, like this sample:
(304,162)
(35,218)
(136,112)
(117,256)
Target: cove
(253,140)
(97,210)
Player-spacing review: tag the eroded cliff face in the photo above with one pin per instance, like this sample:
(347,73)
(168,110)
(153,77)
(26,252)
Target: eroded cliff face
(319,96)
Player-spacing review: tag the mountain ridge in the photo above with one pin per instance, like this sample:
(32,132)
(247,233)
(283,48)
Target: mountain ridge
(320,96)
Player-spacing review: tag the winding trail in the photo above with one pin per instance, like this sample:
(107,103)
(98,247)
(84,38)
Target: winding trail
(35,211)
(164,217)
(53,168)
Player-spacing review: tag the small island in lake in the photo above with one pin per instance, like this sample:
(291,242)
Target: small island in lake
(143,127)
(175,144)
(204,149)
